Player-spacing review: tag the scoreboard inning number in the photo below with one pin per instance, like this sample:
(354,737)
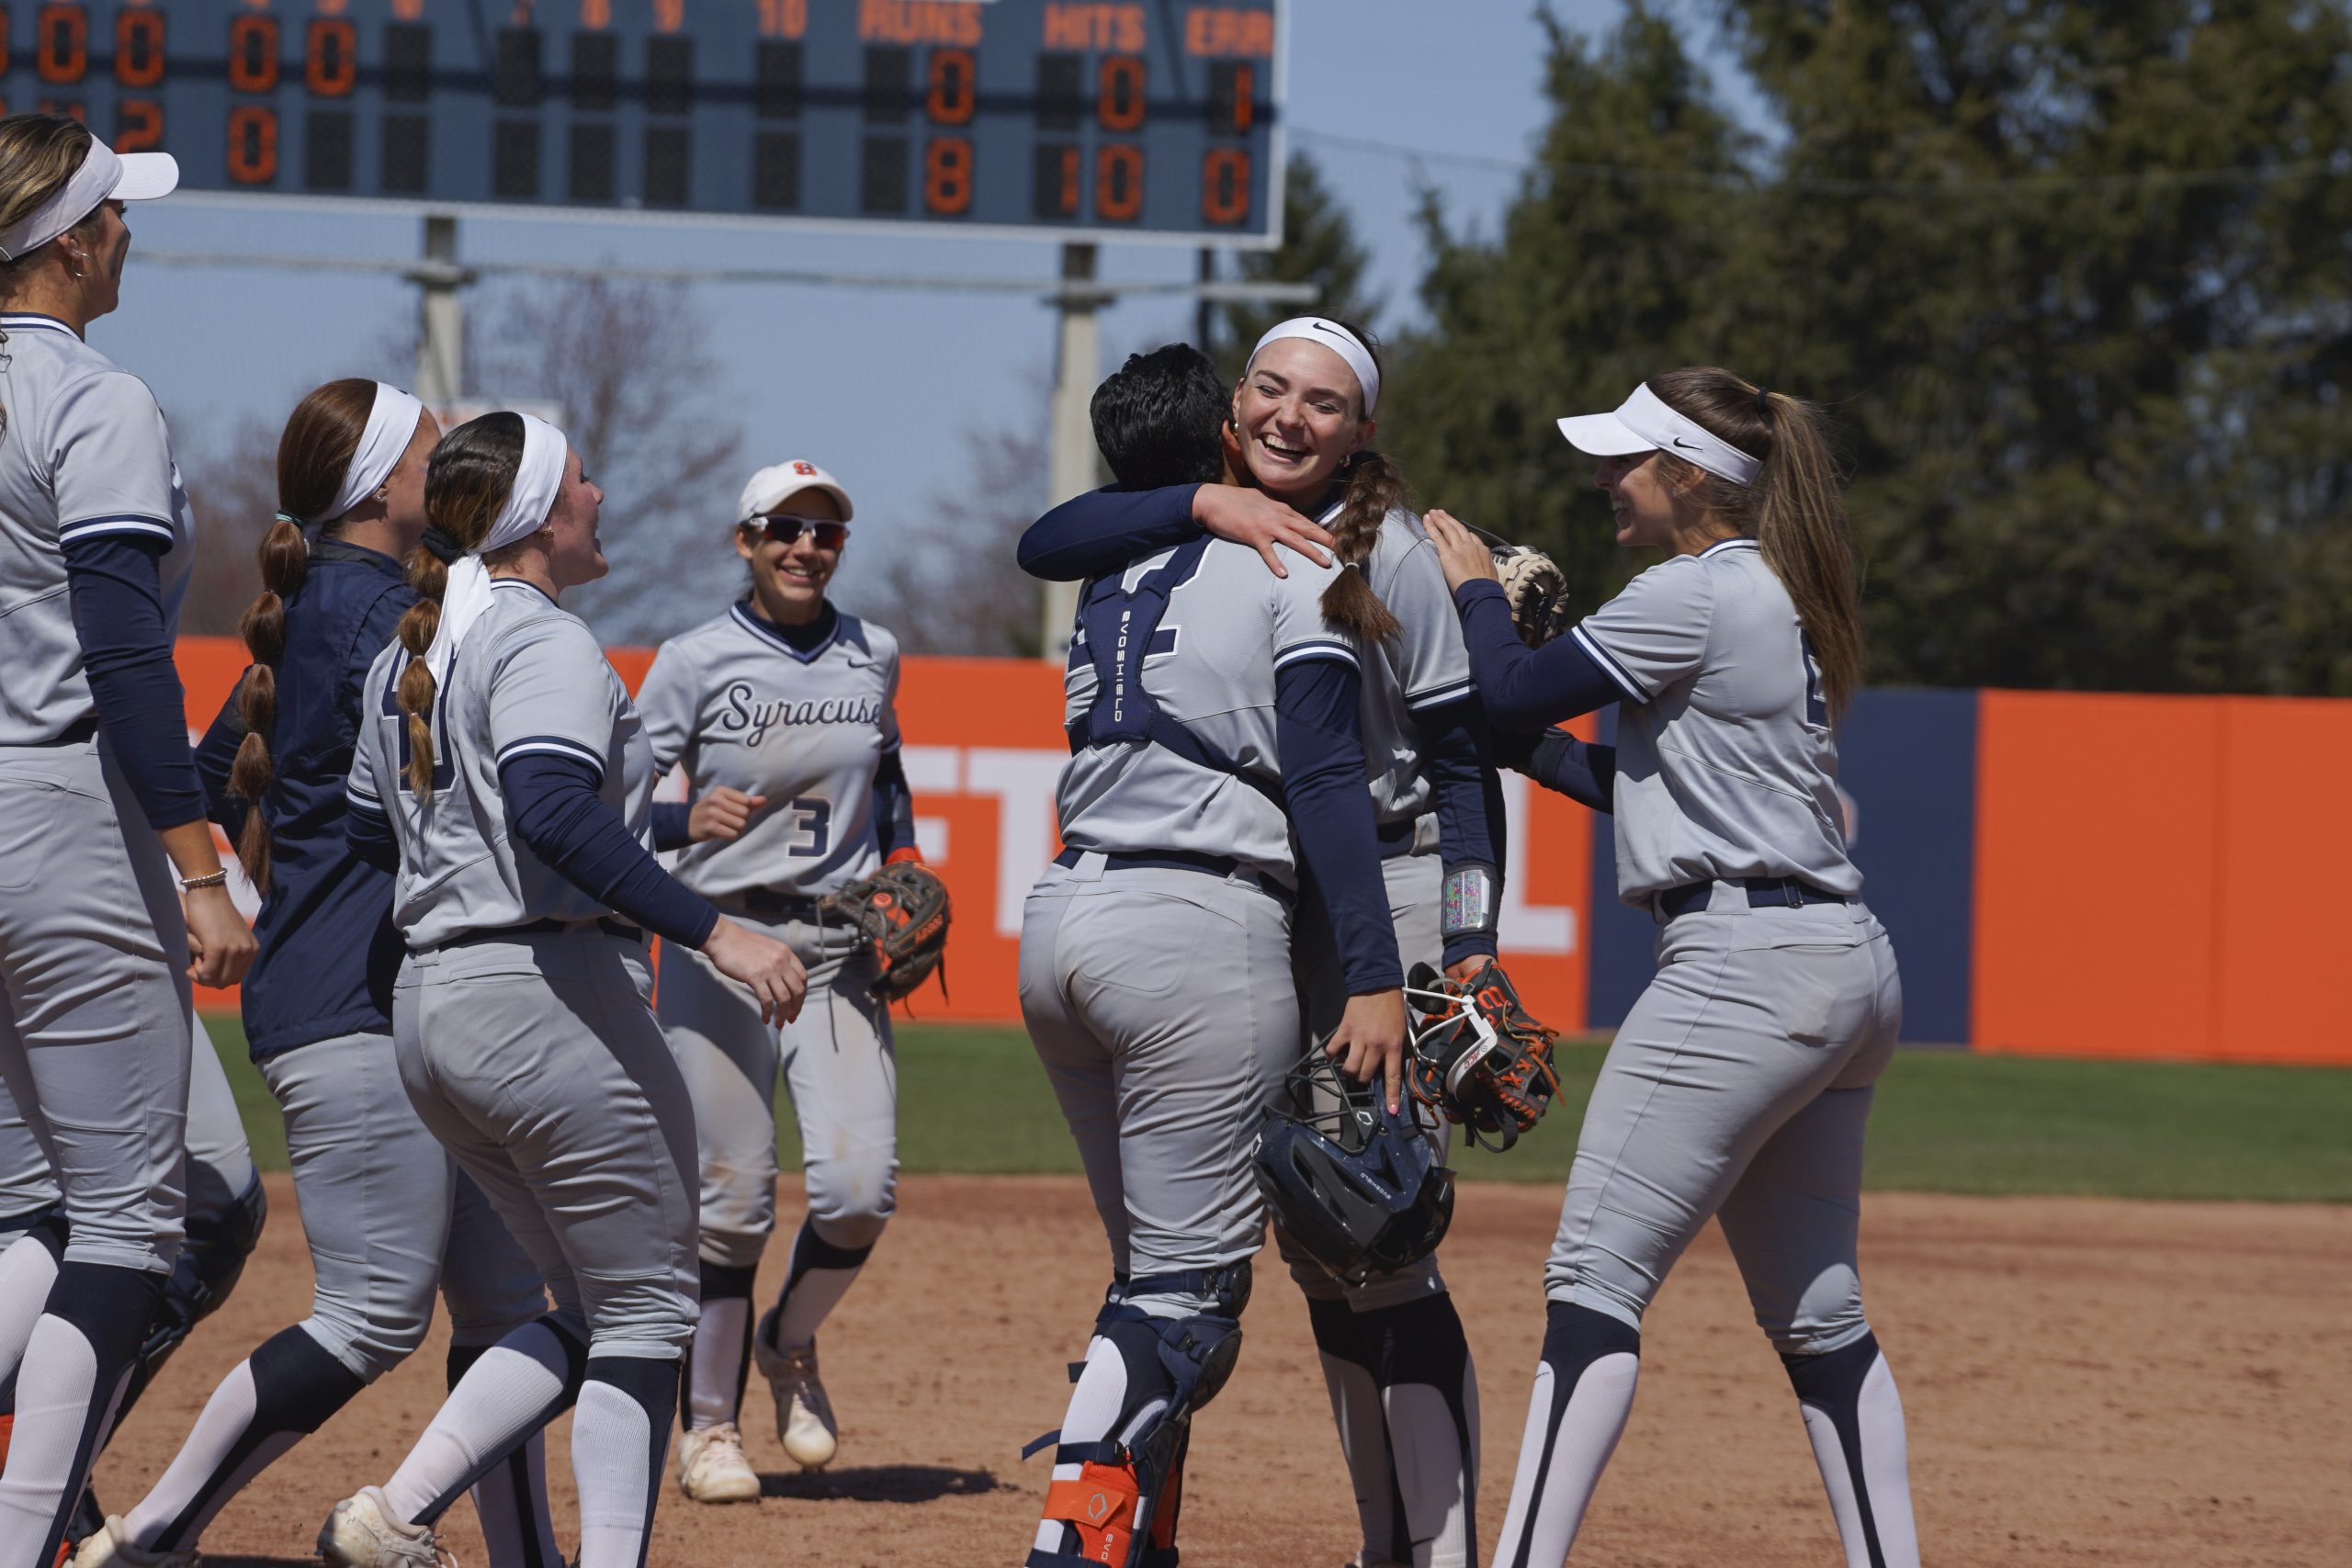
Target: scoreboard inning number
(1099,118)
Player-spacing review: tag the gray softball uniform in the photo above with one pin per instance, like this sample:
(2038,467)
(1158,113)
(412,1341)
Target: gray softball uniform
(732,702)
(738,702)
(532,1055)
(1739,1084)
(1404,1392)
(94,996)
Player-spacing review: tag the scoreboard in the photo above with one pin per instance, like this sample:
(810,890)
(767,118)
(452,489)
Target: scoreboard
(1158,119)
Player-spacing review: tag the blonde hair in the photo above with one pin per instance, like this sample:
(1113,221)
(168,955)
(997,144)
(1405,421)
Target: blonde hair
(1795,511)
(38,153)
(466,481)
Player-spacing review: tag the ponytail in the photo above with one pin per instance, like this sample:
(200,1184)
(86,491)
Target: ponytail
(1795,511)
(322,436)
(468,479)
(1374,488)
(285,558)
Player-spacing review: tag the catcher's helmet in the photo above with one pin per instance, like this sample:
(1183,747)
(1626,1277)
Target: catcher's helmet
(1355,1184)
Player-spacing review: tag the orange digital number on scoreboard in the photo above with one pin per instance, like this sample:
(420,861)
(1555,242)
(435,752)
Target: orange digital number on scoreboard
(252,144)
(1224,185)
(139,47)
(62,44)
(953,95)
(252,54)
(947,175)
(1118,183)
(331,60)
(137,125)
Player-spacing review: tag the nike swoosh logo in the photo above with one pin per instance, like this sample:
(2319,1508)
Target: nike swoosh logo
(1686,445)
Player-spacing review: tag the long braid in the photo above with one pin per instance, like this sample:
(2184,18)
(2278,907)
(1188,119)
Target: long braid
(315,451)
(468,479)
(1376,487)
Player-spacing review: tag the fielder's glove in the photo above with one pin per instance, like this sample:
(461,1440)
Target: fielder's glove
(902,911)
(1535,587)
(1478,1059)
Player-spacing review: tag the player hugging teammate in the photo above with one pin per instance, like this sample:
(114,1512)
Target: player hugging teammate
(782,713)
(1739,1084)
(1298,429)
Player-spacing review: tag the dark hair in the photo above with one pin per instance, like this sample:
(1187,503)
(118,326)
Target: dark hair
(322,436)
(1159,419)
(1371,487)
(1795,511)
(470,475)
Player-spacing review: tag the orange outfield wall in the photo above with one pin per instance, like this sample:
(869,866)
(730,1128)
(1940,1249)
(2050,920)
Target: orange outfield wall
(983,746)
(2161,876)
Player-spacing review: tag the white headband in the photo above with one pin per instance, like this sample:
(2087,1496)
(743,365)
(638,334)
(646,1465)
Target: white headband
(392,425)
(1643,422)
(466,595)
(1336,338)
(103,175)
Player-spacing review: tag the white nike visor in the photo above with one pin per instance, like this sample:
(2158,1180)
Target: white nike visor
(105,175)
(1644,423)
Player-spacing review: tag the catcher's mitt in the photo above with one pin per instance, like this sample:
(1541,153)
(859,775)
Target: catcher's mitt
(902,911)
(1536,586)
(1478,1059)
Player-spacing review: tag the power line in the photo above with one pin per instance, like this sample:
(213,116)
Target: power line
(1813,185)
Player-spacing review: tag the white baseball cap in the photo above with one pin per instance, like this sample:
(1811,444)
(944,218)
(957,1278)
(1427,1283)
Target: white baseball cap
(105,175)
(772,487)
(1643,423)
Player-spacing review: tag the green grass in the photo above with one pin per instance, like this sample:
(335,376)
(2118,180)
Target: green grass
(973,1100)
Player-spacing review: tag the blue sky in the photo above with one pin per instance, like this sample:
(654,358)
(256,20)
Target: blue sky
(878,386)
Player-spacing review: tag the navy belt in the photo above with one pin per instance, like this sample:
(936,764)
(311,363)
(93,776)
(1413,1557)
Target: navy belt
(605,924)
(73,734)
(768,901)
(1763,892)
(1395,838)
(1179,859)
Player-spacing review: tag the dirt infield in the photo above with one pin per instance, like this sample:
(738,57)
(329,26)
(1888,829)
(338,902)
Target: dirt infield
(2087,1382)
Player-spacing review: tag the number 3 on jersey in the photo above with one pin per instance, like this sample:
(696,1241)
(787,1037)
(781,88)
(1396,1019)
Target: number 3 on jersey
(813,826)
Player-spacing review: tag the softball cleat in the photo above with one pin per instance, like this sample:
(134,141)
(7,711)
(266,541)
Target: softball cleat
(109,1547)
(712,1466)
(362,1533)
(804,1416)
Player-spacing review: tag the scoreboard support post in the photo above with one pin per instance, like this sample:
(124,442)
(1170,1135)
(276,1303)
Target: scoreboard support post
(1072,465)
(441,326)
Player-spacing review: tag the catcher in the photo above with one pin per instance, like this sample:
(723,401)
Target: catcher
(782,713)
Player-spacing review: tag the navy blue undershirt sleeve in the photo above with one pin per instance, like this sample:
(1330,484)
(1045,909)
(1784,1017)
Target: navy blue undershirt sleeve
(367,832)
(1523,687)
(1461,783)
(670,825)
(1319,745)
(1104,529)
(127,653)
(553,807)
(1583,770)
(214,756)
(894,806)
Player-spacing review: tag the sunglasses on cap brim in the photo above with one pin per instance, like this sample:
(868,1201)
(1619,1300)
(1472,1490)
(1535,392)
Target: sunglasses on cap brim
(786,529)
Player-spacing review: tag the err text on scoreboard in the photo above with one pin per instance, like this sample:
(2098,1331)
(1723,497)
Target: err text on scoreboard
(1159,119)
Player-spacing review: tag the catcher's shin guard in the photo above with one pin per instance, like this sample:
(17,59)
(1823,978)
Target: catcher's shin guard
(1121,1507)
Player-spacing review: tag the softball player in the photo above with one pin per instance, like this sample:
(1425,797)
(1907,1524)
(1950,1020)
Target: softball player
(503,758)
(782,713)
(226,1208)
(1396,1363)
(385,1213)
(100,809)
(1739,1084)
(1213,711)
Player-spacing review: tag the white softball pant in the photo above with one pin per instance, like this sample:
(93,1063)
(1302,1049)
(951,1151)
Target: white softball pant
(536,1060)
(1162,1005)
(1738,1087)
(94,999)
(837,1060)
(387,1213)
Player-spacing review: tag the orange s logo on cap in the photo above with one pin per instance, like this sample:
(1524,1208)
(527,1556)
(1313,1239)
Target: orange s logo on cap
(804,468)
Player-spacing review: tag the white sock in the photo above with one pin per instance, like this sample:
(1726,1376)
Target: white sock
(715,1378)
(519,1385)
(1437,1470)
(1550,1493)
(227,1417)
(1871,1414)
(620,1437)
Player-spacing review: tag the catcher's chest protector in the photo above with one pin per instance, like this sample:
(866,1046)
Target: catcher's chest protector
(1118,630)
